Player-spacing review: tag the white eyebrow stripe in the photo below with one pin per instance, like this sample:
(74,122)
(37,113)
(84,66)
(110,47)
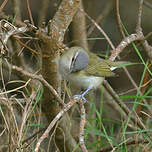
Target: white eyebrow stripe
(76,54)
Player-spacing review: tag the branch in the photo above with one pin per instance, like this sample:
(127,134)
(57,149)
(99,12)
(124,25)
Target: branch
(79,35)
(3,5)
(100,29)
(53,122)
(82,125)
(130,142)
(51,44)
(124,43)
(63,17)
(147,47)
(29,11)
(123,106)
(40,78)
(101,17)
(118,19)
(149,5)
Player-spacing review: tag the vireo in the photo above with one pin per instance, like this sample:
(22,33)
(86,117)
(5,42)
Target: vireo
(84,69)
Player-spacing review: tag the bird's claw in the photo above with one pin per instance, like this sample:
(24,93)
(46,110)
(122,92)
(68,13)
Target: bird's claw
(80,96)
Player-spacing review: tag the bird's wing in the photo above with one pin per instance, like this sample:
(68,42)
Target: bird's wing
(101,71)
(98,67)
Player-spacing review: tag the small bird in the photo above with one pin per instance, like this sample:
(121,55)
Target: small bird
(84,69)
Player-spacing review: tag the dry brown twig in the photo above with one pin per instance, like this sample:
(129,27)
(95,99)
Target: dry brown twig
(13,90)
(10,107)
(29,12)
(146,3)
(130,90)
(32,50)
(123,44)
(3,5)
(58,116)
(101,17)
(139,33)
(123,106)
(26,113)
(40,78)
(2,132)
(53,122)
(59,38)
(129,142)
(100,29)
(118,19)
(147,47)
(120,28)
(82,125)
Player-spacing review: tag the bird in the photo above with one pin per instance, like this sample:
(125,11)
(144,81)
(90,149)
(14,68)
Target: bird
(84,69)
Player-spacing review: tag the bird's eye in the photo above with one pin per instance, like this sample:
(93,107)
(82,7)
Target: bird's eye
(73,59)
(72,62)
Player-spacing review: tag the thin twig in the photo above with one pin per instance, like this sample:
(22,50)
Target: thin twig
(3,5)
(132,80)
(118,19)
(130,142)
(82,125)
(13,90)
(101,17)
(149,5)
(29,11)
(32,136)
(2,132)
(32,50)
(26,113)
(120,28)
(138,26)
(14,120)
(41,79)
(53,122)
(13,101)
(100,29)
(124,43)
(130,90)
(122,105)
(147,47)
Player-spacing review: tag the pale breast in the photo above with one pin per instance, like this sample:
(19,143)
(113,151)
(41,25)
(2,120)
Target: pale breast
(85,81)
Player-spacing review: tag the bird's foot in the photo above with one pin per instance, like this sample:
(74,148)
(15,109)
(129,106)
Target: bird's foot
(80,97)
